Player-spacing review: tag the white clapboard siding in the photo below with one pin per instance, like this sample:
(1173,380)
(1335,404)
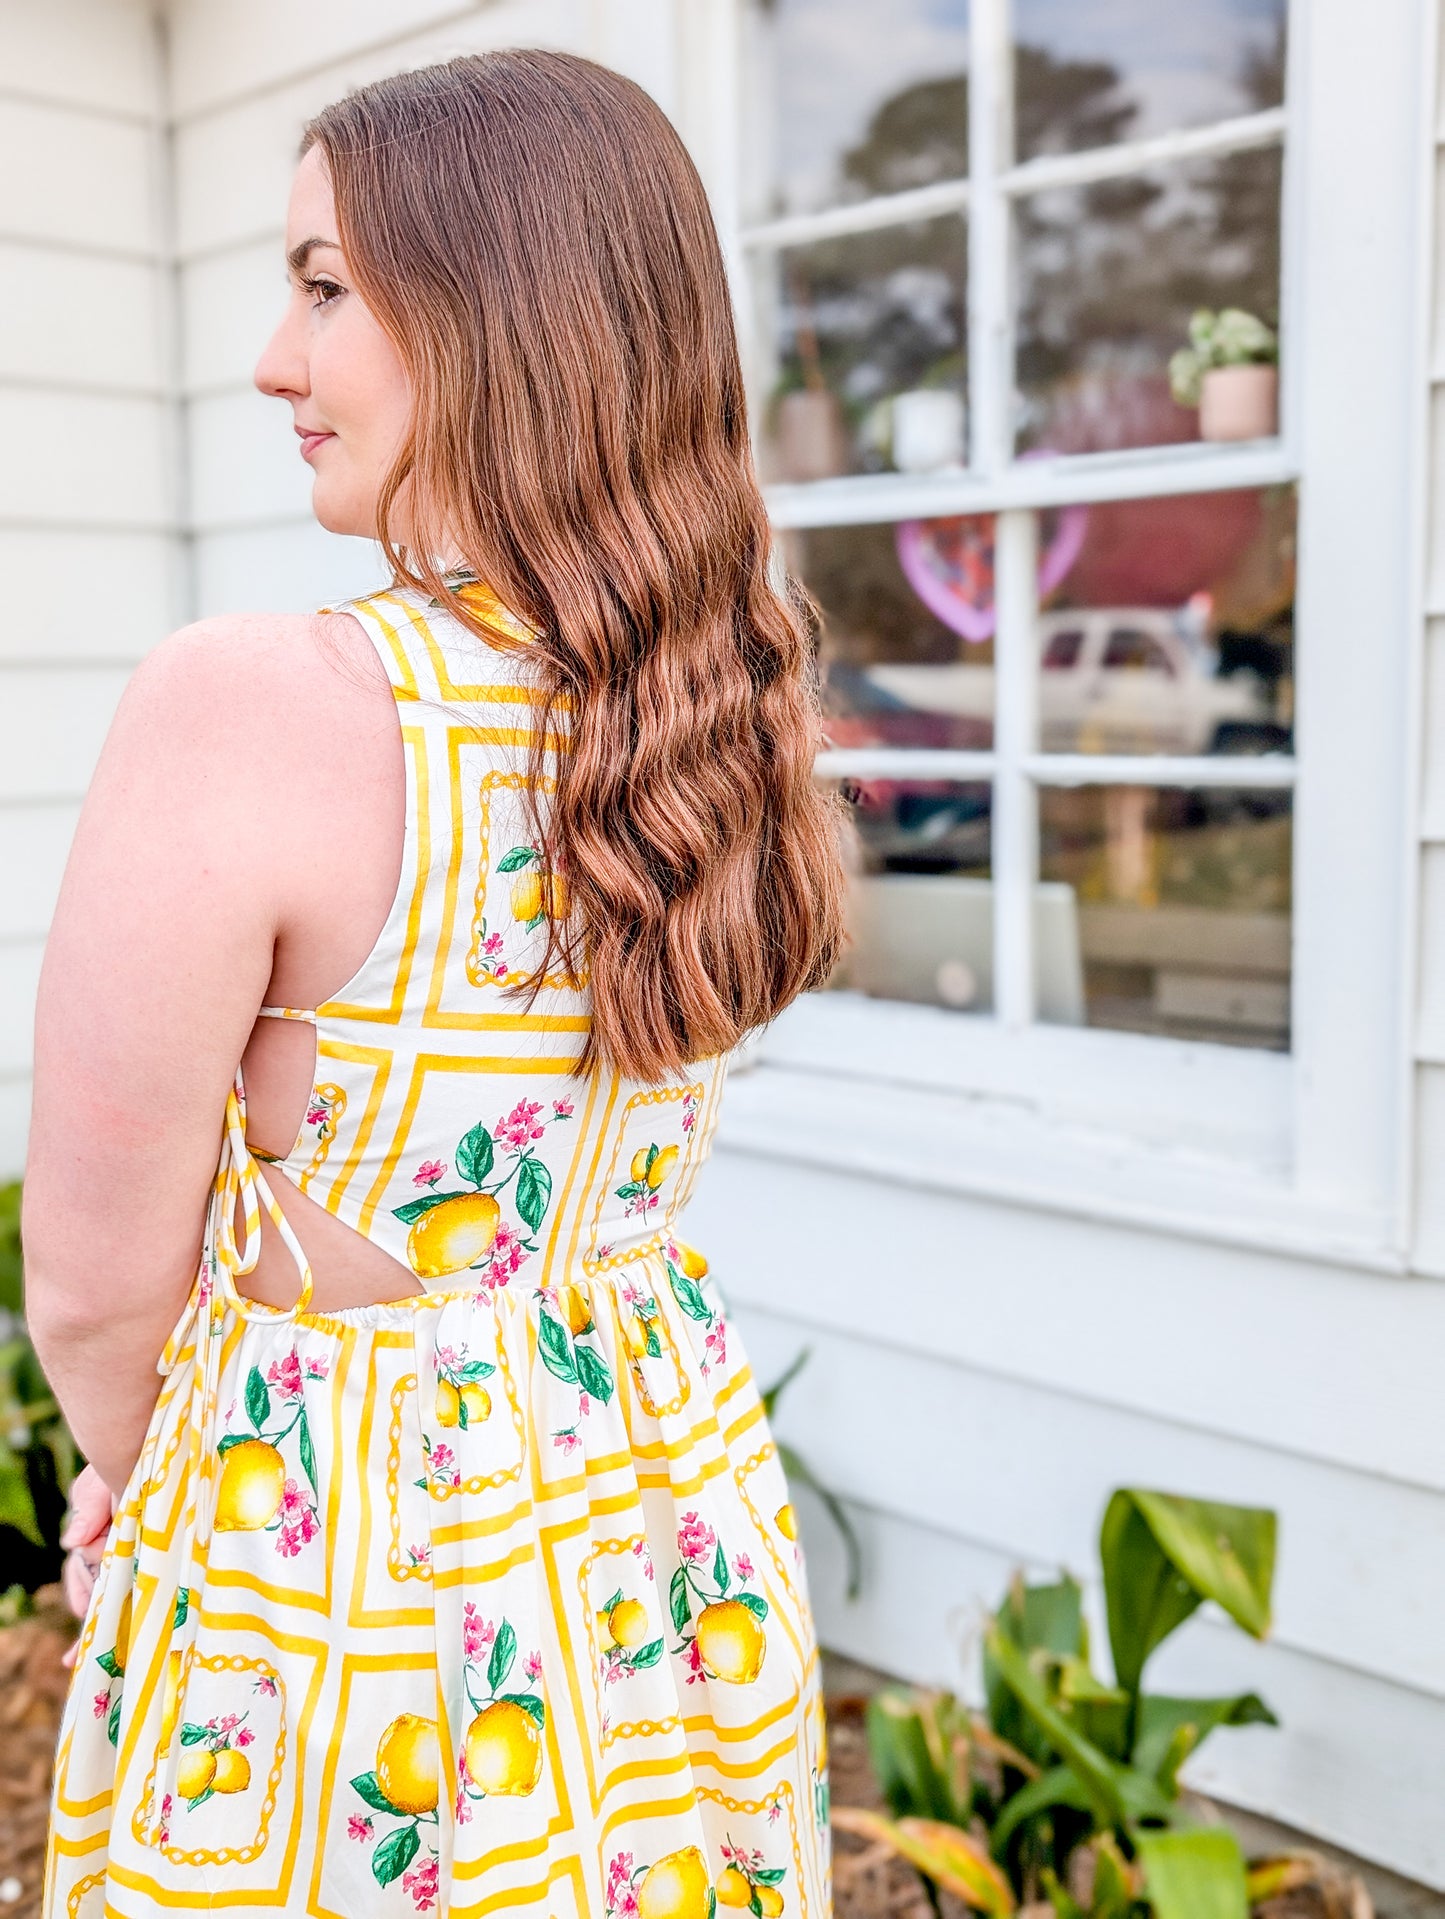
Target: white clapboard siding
(283,569)
(84,594)
(90,53)
(81,178)
(1356,1758)
(34,840)
(1028,1471)
(246,464)
(19,971)
(51,336)
(52,722)
(1311,1359)
(231,302)
(84,459)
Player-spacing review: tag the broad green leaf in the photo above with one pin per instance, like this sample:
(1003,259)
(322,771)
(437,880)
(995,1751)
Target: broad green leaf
(755,1603)
(593,1373)
(534,1191)
(108,1664)
(504,1651)
(475,1154)
(414,1208)
(1059,1786)
(653,1348)
(950,1857)
(770,1875)
(615,1600)
(183,1609)
(1193,1875)
(112,1724)
(395,1854)
(688,1294)
(555,1348)
(192,1735)
(530,1704)
(1161,1718)
(647,1655)
(17,1507)
(720,1569)
(1049,1617)
(678,1600)
(1060,1898)
(200,1798)
(366,1784)
(1115,1887)
(477,1369)
(911,1760)
(1097,1774)
(228,1440)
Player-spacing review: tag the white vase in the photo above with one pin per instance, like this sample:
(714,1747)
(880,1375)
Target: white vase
(928,429)
(1239,403)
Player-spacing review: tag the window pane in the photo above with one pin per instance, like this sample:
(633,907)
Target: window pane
(920,904)
(1088,73)
(896,672)
(1171,628)
(856,99)
(1108,276)
(851,324)
(1182,900)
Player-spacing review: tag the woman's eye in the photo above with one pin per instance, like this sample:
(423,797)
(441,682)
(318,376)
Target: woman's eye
(322,292)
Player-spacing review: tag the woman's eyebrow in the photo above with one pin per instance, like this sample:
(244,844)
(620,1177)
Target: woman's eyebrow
(299,254)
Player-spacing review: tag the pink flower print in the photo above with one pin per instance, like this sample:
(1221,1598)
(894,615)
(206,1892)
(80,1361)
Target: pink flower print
(429,1172)
(266,1686)
(715,1346)
(101,1705)
(520,1127)
(442,1460)
(448,1359)
(584,1404)
(694,1663)
(689,1111)
(317,1113)
(318,1368)
(563,1108)
(285,1376)
(533,1668)
(299,1524)
(419,1555)
(421,1883)
(641,1551)
(163,1830)
(358,1827)
(775,1809)
(695,1538)
(621,1898)
(477,1633)
(743,1567)
(245,1736)
(492,945)
(567,1439)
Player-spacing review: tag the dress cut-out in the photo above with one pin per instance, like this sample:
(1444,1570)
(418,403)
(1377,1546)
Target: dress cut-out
(487,1600)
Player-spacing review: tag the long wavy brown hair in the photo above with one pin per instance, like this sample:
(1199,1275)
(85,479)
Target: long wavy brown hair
(530,231)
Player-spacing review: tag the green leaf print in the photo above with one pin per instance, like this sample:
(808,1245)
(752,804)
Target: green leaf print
(395,1854)
(688,1294)
(475,1154)
(258,1399)
(536,920)
(108,1664)
(653,1348)
(200,1798)
(306,1450)
(366,1784)
(678,1600)
(534,1191)
(615,1600)
(476,1369)
(183,1609)
(519,857)
(647,1655)
(414,1208)
(720,1568)
(504,1651)
(555,1348)
(755,1905)
(769,1875)
(755,1604)
(193,1735)
(530,1704)
(228,1440)
(593,1373)
(112,1725)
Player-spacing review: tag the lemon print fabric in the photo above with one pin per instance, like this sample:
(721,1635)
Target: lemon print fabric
(491,1597)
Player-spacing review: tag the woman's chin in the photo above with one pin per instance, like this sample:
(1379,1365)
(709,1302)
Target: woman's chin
(337,513)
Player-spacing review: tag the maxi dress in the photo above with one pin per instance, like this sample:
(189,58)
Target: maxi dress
(488,1600)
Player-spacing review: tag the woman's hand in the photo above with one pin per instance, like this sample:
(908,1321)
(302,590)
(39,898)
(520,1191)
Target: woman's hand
(87,1527)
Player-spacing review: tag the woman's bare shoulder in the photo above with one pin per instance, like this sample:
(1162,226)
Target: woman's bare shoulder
(251,658)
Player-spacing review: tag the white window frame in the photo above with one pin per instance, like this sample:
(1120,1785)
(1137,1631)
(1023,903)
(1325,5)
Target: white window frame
(1303,1153)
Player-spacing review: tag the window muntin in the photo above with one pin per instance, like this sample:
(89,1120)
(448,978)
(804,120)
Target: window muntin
(1204,200)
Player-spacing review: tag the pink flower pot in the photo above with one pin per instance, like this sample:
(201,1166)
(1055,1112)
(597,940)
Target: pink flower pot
(1239,403)
(811,435)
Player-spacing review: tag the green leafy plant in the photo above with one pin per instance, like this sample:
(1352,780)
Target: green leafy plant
(1231,337)
(1066,1786)
(38,1457)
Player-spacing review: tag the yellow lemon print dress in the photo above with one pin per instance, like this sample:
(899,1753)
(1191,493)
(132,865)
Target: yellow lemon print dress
(488,1600)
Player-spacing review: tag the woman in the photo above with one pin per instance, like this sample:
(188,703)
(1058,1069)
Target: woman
(453,1566)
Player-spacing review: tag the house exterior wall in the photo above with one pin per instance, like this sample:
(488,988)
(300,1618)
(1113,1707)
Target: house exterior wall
(983,1370)
(87,487)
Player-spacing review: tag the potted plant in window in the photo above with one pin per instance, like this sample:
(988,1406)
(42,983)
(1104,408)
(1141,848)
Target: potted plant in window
(1230,371)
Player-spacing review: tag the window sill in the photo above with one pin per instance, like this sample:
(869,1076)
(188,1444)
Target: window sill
(1188,1140)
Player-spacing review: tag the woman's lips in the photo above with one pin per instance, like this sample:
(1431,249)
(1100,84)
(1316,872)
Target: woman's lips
(310,442)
